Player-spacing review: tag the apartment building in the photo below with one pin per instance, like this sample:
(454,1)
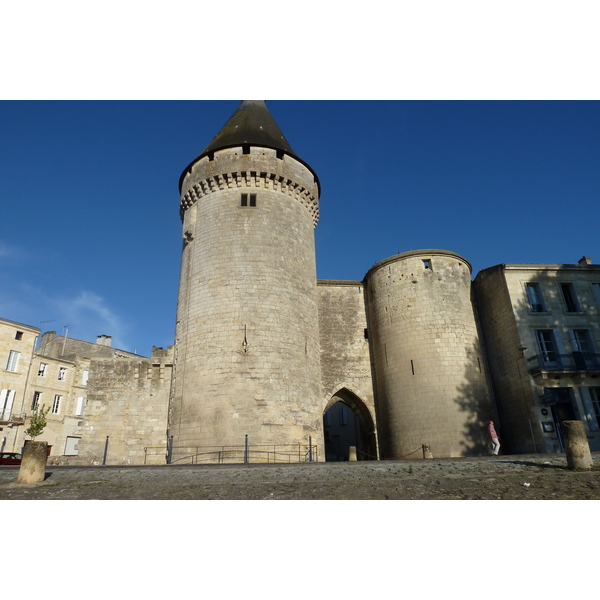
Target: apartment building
(541,330)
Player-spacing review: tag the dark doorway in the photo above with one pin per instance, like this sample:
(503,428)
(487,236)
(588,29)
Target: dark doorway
(347,422)
(341,432)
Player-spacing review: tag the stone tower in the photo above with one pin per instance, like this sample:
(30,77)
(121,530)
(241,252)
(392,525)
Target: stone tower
(429,374)
(246,340)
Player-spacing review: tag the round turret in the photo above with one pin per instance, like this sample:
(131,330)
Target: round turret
(247,344)
(428,366)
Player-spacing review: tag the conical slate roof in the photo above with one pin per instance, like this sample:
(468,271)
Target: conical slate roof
(251,124)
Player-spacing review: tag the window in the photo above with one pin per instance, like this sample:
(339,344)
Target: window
(19,335)
(42,370)
(427,263)
(85,377)
(13,360)
(7,397)
(534,295)
(581,340)
(36,400)
(79,406)
(248,200)
(62,373)
(547,344)
(56,404)
(570,297)
(583,349)
(71,446)
(596,288)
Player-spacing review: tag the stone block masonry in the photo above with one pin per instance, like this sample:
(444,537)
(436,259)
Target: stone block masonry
(127,402)
(247,337)
(345,355)
(429,371)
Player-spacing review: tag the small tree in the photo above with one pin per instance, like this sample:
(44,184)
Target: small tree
(37,422)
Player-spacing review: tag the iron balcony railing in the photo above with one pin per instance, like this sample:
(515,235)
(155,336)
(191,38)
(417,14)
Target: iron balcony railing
(12,419)
(577,361)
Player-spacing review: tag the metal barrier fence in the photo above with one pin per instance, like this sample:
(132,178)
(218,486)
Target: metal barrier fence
(247,453)
(256,453)
(155,455)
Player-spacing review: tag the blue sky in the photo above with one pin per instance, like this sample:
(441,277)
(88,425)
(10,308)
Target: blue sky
(89,224)
(90,230)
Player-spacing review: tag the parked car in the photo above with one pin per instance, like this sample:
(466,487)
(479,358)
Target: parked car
(10,458)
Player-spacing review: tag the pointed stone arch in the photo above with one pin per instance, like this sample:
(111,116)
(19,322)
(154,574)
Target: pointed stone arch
(365,438)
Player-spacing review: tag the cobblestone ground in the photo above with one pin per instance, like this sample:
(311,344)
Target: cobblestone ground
(524,477)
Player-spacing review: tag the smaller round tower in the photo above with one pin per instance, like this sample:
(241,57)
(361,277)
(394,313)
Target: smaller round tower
(429,378)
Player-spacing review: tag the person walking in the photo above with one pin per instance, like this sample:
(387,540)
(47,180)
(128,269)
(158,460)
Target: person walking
(494,437)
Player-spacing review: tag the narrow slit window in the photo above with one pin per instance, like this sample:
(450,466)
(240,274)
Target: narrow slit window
(244,199)
(253,200)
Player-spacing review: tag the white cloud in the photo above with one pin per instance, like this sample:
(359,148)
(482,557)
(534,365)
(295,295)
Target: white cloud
(85,314)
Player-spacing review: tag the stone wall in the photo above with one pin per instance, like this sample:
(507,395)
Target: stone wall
(508,370)
(127,401)
(56,387)
(68,348)
(345,356)
(21,338)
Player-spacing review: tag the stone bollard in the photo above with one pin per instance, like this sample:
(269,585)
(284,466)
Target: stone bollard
(576,445)
(352,453)
(427,451)
(33,463)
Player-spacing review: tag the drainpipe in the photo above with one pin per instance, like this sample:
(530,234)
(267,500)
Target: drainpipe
(532,436)
(25,390)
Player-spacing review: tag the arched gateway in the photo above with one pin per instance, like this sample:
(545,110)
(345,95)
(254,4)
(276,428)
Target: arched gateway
(348,422)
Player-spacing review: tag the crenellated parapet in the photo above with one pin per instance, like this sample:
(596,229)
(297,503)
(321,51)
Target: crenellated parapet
(223,172)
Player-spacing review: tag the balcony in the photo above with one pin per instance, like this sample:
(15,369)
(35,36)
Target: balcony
(10,420)
(576,362)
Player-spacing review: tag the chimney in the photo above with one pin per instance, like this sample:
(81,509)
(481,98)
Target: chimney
(584,261)
(47,337)
(104,340)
